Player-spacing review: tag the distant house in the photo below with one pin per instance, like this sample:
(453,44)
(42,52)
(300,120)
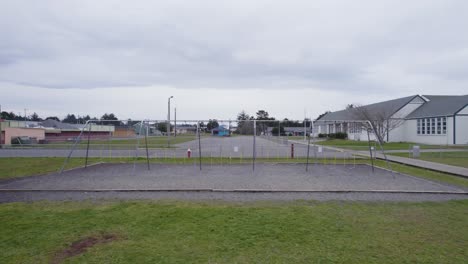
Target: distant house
(220,131)
(58,131)
(186,129)
(288,131)
(52,130)
(426,119)
(124,131)
(140,128)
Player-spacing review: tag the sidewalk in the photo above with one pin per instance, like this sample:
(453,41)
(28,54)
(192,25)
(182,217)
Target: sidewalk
(459,171)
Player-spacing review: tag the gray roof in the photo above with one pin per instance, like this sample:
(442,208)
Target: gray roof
(50,123)
(387,107)
(440,105)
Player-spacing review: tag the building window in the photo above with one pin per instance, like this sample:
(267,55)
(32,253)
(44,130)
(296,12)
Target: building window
(444,125)
(431,126)
(439,126)
(428,126)
(355,128)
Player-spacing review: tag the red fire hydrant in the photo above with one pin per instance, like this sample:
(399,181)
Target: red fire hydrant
(189,153)
(292,151)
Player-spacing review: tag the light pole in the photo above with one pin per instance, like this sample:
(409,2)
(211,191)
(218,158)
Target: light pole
(169,120)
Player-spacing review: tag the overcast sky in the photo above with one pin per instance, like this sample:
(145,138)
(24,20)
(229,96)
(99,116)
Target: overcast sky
(219,57)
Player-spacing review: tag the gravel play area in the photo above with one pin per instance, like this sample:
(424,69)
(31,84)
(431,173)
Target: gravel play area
(231,182)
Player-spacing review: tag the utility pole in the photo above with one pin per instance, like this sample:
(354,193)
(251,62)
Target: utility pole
(305,129)
(175,121)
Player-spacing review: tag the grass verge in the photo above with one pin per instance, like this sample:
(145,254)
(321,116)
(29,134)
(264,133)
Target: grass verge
(364,145)
(426,174)
(455,158)
(215,232)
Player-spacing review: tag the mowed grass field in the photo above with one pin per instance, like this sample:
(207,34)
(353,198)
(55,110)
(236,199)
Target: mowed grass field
(455,158)
(221,232)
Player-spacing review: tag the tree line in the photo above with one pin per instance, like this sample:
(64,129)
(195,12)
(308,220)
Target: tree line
(19,117)
(69,118)
(245,126)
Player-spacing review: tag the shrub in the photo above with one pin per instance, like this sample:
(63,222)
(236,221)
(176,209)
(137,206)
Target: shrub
(341,135)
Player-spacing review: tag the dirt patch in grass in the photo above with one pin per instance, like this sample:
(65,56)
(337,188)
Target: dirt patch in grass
(81,246)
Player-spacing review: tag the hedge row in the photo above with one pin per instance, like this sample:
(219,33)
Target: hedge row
(339,135)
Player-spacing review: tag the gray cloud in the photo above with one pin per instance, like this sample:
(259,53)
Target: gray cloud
(339,45)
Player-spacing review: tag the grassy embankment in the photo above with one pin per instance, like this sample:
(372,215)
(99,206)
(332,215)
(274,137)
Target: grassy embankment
(216,232)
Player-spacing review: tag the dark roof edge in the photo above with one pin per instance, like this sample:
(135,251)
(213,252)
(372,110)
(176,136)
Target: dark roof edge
(412,98)
(407,104)
(460,109)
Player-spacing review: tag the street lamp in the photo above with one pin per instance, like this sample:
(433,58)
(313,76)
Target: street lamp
(169,119)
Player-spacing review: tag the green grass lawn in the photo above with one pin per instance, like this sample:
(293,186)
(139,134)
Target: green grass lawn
(426,174)
(364,145)
(221,232)
(455,158)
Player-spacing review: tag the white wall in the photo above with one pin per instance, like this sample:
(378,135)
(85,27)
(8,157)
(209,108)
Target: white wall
(462,129)
(398,134)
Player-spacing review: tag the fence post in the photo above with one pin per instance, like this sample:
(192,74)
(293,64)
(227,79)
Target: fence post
(87,147)
(308,147)
(370,150)
(254,154)
(146,143)
(199,145)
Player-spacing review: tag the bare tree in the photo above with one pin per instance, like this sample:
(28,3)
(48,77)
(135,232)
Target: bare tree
(379,121)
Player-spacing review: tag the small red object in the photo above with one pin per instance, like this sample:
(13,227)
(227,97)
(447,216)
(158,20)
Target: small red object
(189,153)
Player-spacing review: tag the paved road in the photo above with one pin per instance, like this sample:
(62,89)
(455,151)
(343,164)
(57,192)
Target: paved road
(235,147)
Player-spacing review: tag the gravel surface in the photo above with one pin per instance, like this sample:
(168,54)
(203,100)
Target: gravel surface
(326,181)
(6,197)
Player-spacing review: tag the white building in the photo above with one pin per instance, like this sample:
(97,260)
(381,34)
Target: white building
(426,119)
